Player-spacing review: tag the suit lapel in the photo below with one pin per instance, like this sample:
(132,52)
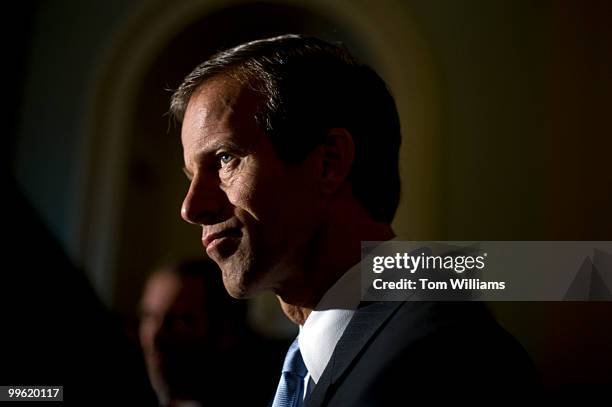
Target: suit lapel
(367,321)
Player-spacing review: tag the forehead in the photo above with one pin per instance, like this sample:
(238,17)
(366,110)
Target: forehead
(218,110)
(161,290)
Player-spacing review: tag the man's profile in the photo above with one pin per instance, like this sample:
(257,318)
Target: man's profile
(291,147)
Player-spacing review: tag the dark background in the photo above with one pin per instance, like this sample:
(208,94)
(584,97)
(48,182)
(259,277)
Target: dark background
(505,109)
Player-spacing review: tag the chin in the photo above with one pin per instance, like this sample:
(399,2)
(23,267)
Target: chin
(236,284)
(242,280)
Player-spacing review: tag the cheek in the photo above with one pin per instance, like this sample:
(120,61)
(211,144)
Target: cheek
(272,195)
(254,190)
(291,208)
(241,195)
(240,184)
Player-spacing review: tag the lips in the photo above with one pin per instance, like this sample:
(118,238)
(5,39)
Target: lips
(210,238)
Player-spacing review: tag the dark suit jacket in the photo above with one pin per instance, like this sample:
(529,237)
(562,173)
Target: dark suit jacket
(399,353)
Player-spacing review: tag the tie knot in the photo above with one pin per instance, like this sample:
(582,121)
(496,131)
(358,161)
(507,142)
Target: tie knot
(294,362)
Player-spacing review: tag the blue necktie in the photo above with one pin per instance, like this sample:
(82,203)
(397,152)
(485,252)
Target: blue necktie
(290,390)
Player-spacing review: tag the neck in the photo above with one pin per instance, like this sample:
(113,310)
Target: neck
(336,250)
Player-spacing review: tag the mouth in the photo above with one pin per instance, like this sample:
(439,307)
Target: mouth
(212,240)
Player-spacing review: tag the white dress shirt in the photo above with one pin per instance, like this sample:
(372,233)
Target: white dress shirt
(326,323)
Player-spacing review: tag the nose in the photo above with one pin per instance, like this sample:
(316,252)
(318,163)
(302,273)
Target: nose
(205,202)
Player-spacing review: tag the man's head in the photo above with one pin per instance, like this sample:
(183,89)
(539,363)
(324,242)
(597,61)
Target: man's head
(186,316)
(281,138)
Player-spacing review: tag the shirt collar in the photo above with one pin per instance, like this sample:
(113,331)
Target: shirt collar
(326,323)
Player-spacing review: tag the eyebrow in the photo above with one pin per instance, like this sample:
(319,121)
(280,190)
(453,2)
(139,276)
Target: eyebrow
(220,145)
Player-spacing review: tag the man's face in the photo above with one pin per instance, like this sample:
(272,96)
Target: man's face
(257,213)
(174,328)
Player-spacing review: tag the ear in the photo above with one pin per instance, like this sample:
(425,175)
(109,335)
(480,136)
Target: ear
(337,159)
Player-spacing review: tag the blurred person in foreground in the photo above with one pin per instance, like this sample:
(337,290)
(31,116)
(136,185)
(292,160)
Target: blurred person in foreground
(56,330)
(191,332)
(291,147)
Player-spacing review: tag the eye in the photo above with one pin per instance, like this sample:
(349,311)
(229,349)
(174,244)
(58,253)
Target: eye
(225,158)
